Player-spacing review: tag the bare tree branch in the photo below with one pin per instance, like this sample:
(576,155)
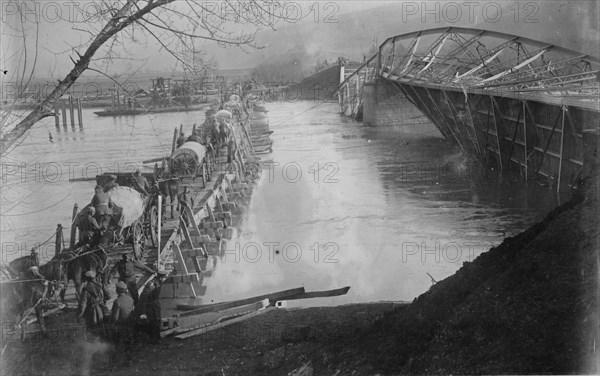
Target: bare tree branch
(118,20)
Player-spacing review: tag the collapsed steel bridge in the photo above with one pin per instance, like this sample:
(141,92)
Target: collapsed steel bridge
(521,104)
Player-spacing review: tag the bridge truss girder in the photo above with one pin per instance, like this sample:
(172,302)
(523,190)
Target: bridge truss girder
(470,59)
(524,104)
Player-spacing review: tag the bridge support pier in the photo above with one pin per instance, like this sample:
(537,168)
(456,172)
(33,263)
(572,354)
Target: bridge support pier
(384,104)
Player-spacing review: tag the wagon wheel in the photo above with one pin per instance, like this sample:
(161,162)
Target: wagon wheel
(138,239)
(153,225)
(183,166)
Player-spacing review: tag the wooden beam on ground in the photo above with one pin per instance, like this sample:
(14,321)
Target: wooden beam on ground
(211,318)
(198,309)
(319,294)
(223,324)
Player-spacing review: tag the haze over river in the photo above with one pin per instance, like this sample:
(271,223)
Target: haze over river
(338,204)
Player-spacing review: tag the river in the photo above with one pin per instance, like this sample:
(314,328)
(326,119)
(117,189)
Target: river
(382,210)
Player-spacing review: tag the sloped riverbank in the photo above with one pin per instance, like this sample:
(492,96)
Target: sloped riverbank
(527,306)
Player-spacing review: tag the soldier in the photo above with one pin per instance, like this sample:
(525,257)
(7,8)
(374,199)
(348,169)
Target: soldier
(181,139)
(89,229)
(140,183)
(91,301)
(195,138)
(151,306)
(112,183)
(186,197)
(122,306)
(126,267)
(103,205)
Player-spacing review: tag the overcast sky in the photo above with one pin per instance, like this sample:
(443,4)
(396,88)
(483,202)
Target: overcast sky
(61,28)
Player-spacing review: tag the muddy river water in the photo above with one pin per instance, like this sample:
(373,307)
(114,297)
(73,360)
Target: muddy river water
(383,210)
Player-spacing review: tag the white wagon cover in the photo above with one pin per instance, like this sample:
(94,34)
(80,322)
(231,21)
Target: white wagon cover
(128,206)
(129,201)
(192,150)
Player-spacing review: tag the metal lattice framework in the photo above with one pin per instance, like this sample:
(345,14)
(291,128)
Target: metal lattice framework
(484,61)
(525,104)
(350,92)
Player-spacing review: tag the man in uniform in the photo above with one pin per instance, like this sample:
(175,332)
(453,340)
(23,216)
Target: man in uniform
(186,197)
(89,229)
(194,137)
(91,301)
(112,183)
(140,183)
(103,205)
(181,139)
(151,306)
(126,267)
(122,306)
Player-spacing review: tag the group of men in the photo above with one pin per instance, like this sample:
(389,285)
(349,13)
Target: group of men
(129,312)
(98,214)
(217,132)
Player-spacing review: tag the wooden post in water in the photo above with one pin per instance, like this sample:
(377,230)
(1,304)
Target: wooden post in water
(194,129)
(71,111)
(58,240)
(64,112)
(174,141)
(181,128)
(73,227)
(79,114)
(56,117)
(113,100)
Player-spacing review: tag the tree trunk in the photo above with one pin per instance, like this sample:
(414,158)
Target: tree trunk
(117,23)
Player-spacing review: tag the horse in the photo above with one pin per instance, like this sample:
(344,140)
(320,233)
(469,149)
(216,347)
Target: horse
(23,263)
(168,187)
(28,294)
(77,264)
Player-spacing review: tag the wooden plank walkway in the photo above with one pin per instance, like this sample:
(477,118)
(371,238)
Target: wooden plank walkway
(185,248)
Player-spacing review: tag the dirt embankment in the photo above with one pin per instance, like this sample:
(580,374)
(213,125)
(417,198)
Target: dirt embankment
(529,305)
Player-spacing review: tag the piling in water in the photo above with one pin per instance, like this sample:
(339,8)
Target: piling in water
(71,111)
(64,113)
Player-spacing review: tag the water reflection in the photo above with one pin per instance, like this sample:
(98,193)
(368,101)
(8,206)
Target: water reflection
(371,208)
(339,204)
(36,192)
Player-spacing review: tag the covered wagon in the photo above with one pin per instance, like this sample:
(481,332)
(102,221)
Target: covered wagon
(134,215)
(189,161)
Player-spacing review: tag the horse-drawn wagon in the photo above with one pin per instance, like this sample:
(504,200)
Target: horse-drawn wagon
(135,215)
(189,161)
